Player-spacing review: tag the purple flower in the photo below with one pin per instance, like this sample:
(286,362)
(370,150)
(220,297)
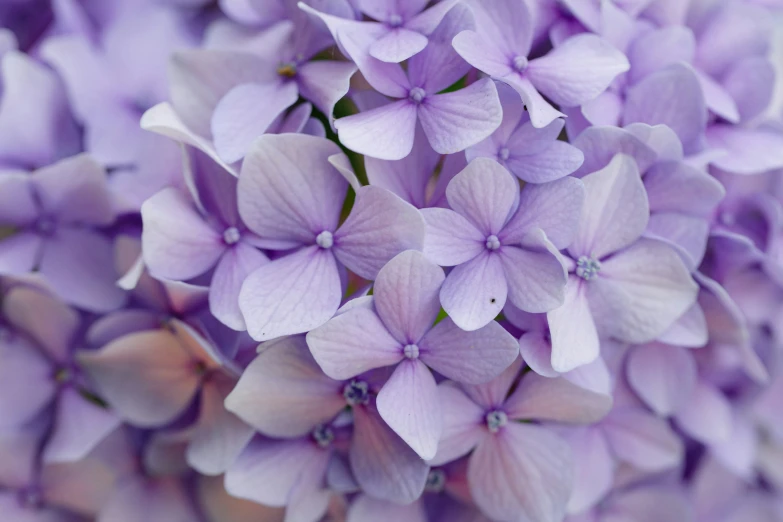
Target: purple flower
(630,288)
(500,243)
(291,196)
(575,72)
(516,469)
(395,329)
(57,213)
(451,121)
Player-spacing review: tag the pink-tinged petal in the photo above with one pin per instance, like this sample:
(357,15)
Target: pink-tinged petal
(366,508)
(147,377)
(267,470)
(578,70)
(642,439)
(654,286)
(380,226)
(574,336)
(541,111)
(75,190)
(750,83)
(219,435)
(601,144)
(678,187)
(384,466)
(397,45)
(80,426)
(283,393)
(409,404)
(142,500)
(558,160)
(352,343)
(506,22)
(385,133)
(593,469)
(705,414)
(663,376)
(615,212)
(717,99)
(406,295)
(291,295)
(324,83)
(288,190)
(26,382)
(555,399)
(176,241)
(673,97)
(233,268)
(219,506)
(553,207)
(747,151)
(522,471)
(463,424)
(79,266)
(47,320)
(450,239)
(245,113)
(485,193)
(482,54)
(454,121)
(492,394)
(472,357)
(200,78)
(536,278)
(20,253)
(12,509)
(475,292)
(658,48)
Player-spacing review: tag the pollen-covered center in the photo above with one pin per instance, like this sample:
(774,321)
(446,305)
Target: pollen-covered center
(417,95)
(495,420)
(231,235)
(411,351)
(493,243)
(519,63)
(504,153)
(356,392)
(322,435)
(436,481)
(587,268)
(325,239)
(287,70)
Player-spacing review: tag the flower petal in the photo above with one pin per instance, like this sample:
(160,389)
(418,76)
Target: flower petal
(384,133)
(706,414)
(463,424)
(450,239)
(663,376)
(231,271)
(25,381)
(574,336)
(397,45)
(536,278)
(642,439)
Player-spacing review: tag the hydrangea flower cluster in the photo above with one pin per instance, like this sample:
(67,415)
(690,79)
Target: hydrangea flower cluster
(391,261)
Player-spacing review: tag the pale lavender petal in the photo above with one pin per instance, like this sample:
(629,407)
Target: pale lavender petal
(17,206)
(288,190)
(139,500)
(245,113)
(492,394)
(380,226)
(283,392)
(601,144)
(398,45)
(663,376)
(409,404)
(689,331)
(536,278)
(678,187)
(717,99)
(506,23)
(750,83)
(450,239)
(578,70)
(367,508)
(658,48)
(615,212)
(522,471)
(541,111)
(706,414)
(454,121)
(406,295)
(593,469)
(324,82)
(559,159)
(231,271)
(462,424)
(475,292)
(291,295)
(468,357)
(535,348)
(748,151)
(385,133)
(642,439)
(352,343)
(555,399)
(25,380)
(482,54)
(382,463)
(574,336)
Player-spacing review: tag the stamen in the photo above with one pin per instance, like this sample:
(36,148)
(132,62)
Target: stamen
(411,351)
(356,392)
(417,95)
(504,153)
(436,481)
(325,239)
(495,420)
(519,63)
(323,436)
(63,376)
(587,268)
(231,235)
(287,70)
(493,243)
(395,20)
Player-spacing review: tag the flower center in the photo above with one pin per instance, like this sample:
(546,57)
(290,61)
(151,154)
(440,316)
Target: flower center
(727,218)
(395,20)
(495,420)
(356,392)
(416,95)
(287,70)
(231,236)
(504,153)
(323,436)
(411,351)
(436,481)
(325,239)
(45,225)
(587,267)
(63,376)
(519,63)
(493,243)
(31,498)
